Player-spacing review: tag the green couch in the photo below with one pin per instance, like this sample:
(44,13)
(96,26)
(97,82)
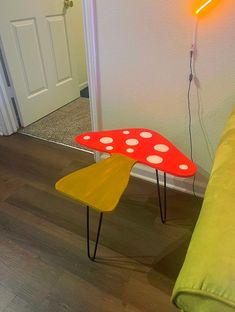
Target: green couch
(206,282)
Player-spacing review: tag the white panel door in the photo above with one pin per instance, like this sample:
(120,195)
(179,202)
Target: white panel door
(41,49)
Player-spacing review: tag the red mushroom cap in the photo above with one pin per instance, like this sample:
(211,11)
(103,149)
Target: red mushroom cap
(146,146)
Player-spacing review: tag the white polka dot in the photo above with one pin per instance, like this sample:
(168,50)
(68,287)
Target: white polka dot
(183,167)
(146,135)
(106,140)
(132,142)
(161,148)
(86,137)
(130,150)
(109,148)
(126,132)
(154,159)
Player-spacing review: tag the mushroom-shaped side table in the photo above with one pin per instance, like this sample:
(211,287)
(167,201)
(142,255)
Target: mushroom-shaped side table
(101,185)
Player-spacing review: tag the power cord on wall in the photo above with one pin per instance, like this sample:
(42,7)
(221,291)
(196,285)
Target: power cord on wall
(189,104)
(192,77)
(190,114)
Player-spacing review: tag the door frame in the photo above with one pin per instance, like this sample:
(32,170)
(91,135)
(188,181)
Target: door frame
(8,120)
(90,31)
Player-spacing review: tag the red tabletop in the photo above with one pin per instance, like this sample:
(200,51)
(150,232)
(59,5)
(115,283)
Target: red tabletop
(145,146)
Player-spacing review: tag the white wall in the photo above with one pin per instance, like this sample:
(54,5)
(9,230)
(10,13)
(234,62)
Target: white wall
(143,56)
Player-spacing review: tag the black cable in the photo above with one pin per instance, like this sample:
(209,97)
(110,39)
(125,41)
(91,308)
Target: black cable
(189,105)
(190,116)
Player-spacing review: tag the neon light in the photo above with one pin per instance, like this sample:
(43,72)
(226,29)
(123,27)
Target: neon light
(203,6)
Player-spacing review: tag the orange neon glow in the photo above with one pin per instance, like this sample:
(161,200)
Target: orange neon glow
(202,7)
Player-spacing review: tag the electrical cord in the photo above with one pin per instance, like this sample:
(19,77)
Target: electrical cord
(189,105)
(190,114)
(192,76)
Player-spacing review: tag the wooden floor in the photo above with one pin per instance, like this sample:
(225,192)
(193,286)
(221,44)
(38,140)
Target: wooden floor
(43,262)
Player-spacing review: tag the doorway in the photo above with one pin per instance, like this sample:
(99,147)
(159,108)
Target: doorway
(63,125)
(57,24)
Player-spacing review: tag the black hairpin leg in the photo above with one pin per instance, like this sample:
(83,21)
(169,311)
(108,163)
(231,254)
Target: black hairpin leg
(88,235)
(162,206)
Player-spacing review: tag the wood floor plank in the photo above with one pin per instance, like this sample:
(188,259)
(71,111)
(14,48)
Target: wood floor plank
(34,161)
(18,305)
(6,297)
(24,274)
(75,293)
(64,249)
(146,236)
(43,261)
(25,146)
(146,296)
(8,185)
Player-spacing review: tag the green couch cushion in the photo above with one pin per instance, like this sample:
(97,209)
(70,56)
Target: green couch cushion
(206,282)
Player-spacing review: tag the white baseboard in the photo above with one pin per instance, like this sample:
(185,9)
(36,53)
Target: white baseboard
(180,184)
(83,85)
